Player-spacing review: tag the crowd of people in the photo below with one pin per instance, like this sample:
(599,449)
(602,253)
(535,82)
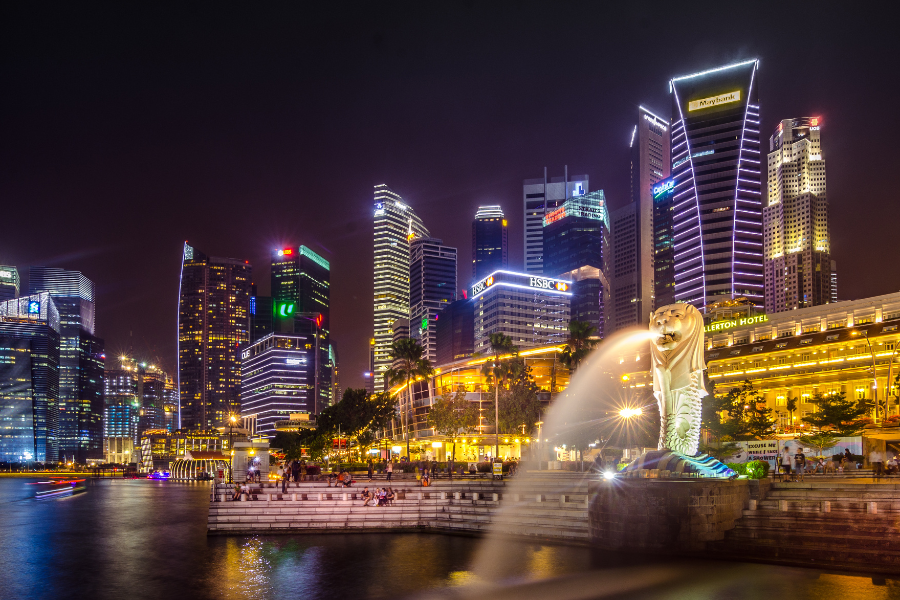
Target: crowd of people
(378,497)
(793,466)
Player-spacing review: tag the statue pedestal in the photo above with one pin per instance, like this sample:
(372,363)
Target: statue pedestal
(666,464)
(664,515)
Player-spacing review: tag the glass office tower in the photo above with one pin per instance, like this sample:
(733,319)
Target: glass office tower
(432,286)
(213,322)
(717,196)
(81,359)
(490,241)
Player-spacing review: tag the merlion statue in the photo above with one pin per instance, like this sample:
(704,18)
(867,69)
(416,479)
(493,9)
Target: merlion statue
(676,355)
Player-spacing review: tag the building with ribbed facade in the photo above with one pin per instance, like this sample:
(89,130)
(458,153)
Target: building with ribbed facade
(395,225)
(490,241)
(531,310)
(717,192)
(275,374)
(796,240)
(213,323)
(456,331)
(81,361)
(540,196)
(432,287)
(29,379)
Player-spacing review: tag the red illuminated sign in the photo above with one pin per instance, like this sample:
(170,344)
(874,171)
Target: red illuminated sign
(288,251)
(814,121)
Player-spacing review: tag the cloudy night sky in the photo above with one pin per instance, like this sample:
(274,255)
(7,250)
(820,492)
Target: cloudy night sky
(128,129)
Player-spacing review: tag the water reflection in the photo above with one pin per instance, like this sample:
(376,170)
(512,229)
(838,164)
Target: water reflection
(139,539)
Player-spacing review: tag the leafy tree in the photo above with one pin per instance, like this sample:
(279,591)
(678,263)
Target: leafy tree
(791,406)
(746,416)
(452,414)
(838,414)
(408,366)
(579,344)
(518,403)
(820,441)
(500,345)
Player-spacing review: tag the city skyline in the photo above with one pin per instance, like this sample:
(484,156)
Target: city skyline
(135,267)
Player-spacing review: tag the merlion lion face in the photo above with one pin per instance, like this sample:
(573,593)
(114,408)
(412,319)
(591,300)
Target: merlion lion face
(670,323)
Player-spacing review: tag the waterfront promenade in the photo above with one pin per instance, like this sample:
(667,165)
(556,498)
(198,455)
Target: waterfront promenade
(828,522)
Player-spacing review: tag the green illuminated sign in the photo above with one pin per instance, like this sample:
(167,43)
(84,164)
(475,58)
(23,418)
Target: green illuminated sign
(723,325)
(424,322)
(284,309)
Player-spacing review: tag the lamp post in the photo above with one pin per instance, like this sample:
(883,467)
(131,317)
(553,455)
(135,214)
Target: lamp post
(865,333)
(231,423)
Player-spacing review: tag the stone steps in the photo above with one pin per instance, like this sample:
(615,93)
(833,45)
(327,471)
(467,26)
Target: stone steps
(814,522)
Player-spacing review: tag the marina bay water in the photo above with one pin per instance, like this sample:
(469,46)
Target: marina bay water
(146,539)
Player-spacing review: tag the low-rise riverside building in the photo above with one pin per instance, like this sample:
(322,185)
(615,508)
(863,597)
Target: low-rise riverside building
(159,448)
(795,354)
(550,375)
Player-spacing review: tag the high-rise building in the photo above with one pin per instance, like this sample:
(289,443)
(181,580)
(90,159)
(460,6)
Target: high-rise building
(632,273)
(275,380)
(576,248)
(9,283)
(717,196)
(540,196)
(396,224)
(213,322)
(335,374)
(29,379)
(490,241)
(261,315)
(796,242)
(301,283)
(455,332)
(369,375)
(663,244)
(432,286)
(81,359)
(533,311)
(138,397)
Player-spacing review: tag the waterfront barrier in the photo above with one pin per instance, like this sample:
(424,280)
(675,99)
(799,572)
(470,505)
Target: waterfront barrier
(554,509)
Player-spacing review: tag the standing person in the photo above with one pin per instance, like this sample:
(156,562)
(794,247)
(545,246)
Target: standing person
(786,461)
(285,476)
(877,463)
(390,469)
(371,468)
(434,467)
(800,463)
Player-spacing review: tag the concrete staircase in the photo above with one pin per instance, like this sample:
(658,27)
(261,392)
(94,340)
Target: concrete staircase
(555,507)
(824,524)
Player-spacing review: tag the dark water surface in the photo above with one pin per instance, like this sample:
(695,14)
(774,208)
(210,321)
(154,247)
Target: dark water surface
(145,539)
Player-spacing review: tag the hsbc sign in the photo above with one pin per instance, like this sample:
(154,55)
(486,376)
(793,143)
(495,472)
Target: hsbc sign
(521,281)
(548,284)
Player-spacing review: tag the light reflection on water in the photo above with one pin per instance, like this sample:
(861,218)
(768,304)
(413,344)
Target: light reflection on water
(140,539)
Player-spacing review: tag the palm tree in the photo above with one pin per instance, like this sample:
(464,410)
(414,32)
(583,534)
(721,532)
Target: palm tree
(500,344)
(579,344)
(408,365)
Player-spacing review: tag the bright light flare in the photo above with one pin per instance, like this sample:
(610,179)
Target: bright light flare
(609,475)
(628,413)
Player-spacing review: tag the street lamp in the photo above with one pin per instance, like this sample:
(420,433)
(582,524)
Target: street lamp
(233,420)
(865,333)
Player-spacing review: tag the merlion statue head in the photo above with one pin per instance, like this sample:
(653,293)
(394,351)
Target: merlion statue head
(677,344)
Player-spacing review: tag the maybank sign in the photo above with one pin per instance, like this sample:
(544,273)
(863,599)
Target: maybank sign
(714,101)
(723,325)
(519,280)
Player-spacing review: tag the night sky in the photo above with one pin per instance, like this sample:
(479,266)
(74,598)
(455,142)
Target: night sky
(129,129)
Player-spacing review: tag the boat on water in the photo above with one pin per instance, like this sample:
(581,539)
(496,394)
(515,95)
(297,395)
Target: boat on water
(59,488)
(159,475)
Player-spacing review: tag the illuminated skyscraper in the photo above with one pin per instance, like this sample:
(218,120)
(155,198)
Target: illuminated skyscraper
(396,224)
(301,282)
(540,196)
(717,196)
(29,379)
(80,361)
(633,271)
(432,286)
(796,241)
(9,283)
(490,241)
(213,322)
(576,248)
